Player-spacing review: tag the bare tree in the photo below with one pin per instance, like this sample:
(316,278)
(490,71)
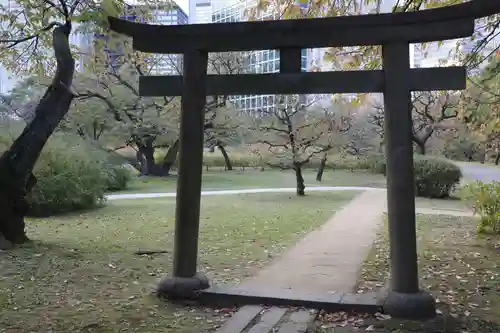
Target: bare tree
(377,119)
(430,111)
(294,134)
(339,120)
(222,125)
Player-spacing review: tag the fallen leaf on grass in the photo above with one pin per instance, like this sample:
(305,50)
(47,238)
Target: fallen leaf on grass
(381,316)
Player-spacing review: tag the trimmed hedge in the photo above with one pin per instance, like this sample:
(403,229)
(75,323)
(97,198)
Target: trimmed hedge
(254,160)
(434,177)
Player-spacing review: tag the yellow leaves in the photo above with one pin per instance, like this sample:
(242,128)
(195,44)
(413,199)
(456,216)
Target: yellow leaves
(292,11)
(111,7)
(262,5)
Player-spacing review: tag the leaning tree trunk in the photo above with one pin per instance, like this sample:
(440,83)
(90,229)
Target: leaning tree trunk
(170,157)
(321,168)
(227,161)
(17,163)
(299,179)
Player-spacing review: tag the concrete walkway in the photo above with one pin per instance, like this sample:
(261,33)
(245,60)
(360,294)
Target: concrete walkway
(329,258)
(242,191)
(325,261)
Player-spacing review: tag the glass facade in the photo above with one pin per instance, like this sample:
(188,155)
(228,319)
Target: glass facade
(162,64)
(265,61)
(168,64)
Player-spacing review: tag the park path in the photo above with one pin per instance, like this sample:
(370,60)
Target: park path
(329,258)
(325,261)
(127,196)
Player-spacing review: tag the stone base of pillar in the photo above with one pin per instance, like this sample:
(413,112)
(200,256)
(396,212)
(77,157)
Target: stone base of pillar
(417,306)
(182,287)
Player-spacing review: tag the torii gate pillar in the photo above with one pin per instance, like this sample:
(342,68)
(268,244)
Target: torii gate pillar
(404,298)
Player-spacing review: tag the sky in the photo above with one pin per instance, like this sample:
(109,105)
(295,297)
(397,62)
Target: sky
(184,4)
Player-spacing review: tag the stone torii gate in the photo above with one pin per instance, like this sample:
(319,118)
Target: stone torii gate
(396,81)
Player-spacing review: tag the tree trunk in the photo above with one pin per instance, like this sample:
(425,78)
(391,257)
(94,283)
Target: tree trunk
(17,163)
(421,139)
(146,156)
(421,147)
(227,161)
(299,179)
(170,157)
(321,169)
(497,159)
(381,147)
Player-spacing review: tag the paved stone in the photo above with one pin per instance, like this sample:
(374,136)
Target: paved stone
(241,319)
(297,322)
(268,320)
(328,259)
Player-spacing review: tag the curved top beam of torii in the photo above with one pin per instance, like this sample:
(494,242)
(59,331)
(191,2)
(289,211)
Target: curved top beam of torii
(422,26)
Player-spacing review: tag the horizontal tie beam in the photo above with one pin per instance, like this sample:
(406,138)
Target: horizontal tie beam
(232,39)
(422,79)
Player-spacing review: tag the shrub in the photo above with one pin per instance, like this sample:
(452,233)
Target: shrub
(376,164)
(67,181)
(434,177)
(117,177)
(256,159)
(484,199)
(73,175)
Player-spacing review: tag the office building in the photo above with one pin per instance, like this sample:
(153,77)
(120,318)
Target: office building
(172,14)
(200,11)
(154,14)
(263,61)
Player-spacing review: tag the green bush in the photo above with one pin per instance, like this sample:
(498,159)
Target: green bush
(485,201)
(71,174)
(117,178)
(434,177)
(67,180)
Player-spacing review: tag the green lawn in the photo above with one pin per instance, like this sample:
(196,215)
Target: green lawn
(251,178)
(460,269)
(80,274)
(453,203)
